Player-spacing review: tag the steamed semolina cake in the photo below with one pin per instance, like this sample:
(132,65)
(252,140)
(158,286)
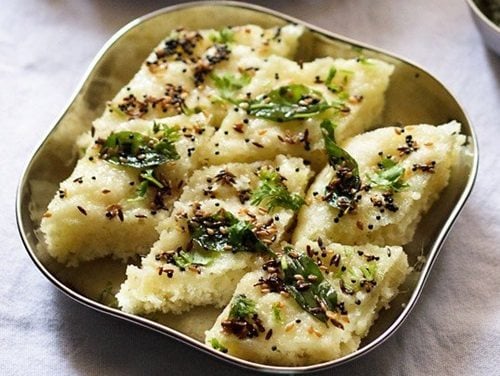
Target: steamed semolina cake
(112,206)
(231,178)
(228,218)
(181,74)
(401,173)
(311,305)
(281,108)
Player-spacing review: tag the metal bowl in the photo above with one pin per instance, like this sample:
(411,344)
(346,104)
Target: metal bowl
(490,32)
(414,97)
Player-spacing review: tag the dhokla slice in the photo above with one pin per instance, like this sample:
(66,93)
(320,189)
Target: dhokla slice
(176,77)
(401,172)
(311,305)
(220,229)
(121,188)
(282,107)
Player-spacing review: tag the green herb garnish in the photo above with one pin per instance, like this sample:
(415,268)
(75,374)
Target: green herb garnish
(328,81)
(185,259)
(288,103)
(147,179)
(390,177)
(311,290)
(273,193)
(223,36)
(136,150)
(224,232)
(227,85)
(363,60)
(341,191)
(217,345)
(369,271)
(107,296)
(277,313)
(139,151)
(242,308)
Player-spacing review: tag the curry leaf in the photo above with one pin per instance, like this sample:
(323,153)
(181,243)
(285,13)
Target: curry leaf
(341,191)
(139,151)
(307,285)
(288,103)
(224,232)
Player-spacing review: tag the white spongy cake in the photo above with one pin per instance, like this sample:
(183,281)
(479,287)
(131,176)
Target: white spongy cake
(160,285)
(95,213)
(288,335)
(427,154)
(358,86)
(178,71)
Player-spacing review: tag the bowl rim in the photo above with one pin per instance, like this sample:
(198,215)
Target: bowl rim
(485,19)
(170,332)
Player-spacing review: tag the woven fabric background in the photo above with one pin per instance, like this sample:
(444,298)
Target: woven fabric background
(45,48)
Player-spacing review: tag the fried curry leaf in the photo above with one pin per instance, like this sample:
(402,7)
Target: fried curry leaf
(224,232)
(227,85)
(390,176)
(242,308)
(273,193)
(341,191)
(288,103)
(139,151)
(311,290)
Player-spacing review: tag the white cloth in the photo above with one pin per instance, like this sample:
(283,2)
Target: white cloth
(45,48)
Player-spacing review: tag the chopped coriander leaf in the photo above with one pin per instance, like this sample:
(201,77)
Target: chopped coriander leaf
(147,179)
(289,103)
(223,36)
(217,345)
(148,176)
(139,151)
(369,271)
(341,191)
(185,259)
(331,75)
(311,290)
(107,296)
(115,109)
(277,313)
(227,85)
(191,111)
(363,60)
(242,308)
(224,232)
(390,176)
(273,193)
(328,81)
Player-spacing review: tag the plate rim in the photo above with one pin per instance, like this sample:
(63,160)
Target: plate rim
(172,333)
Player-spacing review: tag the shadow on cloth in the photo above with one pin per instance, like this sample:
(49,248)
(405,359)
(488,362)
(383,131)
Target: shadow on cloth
(95,343)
